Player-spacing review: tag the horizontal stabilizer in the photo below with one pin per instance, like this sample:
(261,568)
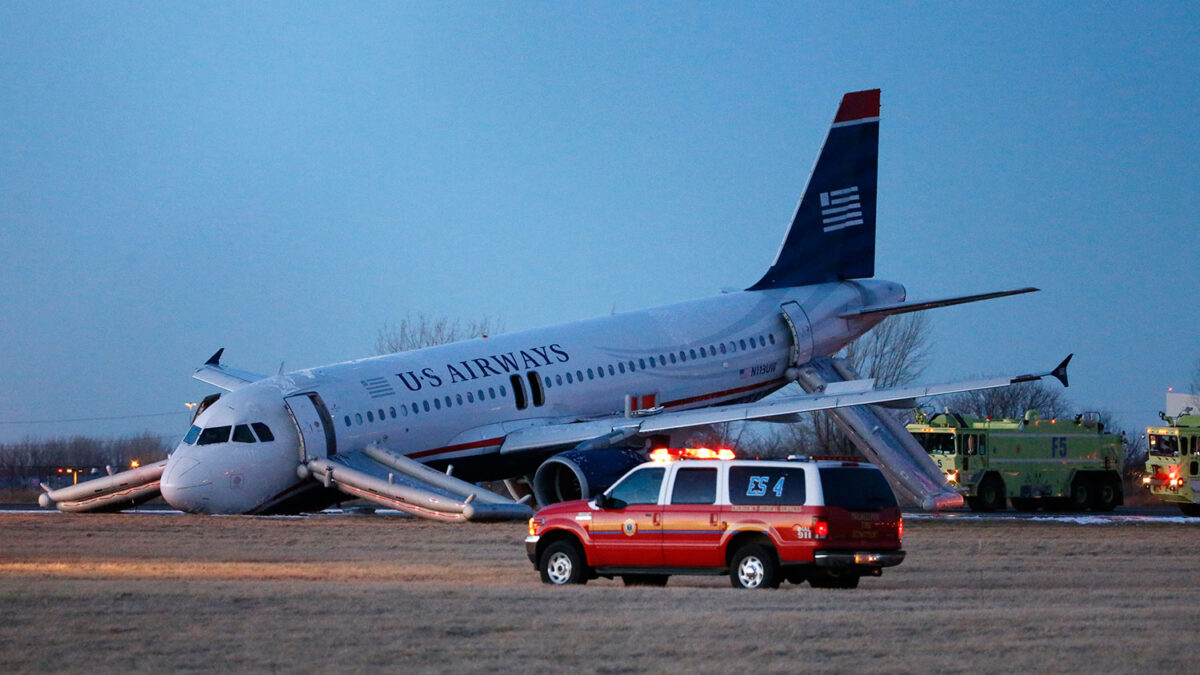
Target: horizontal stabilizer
(917,306)
(224,377)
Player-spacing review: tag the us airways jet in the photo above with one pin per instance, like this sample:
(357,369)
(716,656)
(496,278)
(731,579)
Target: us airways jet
(566,404)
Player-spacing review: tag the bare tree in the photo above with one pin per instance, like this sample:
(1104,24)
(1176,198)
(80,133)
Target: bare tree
(429,331)
(1010,402)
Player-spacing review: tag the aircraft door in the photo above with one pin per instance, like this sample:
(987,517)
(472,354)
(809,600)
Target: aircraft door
(802,341)
(317,439)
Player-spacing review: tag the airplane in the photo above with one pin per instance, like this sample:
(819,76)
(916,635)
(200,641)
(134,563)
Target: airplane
(568,405)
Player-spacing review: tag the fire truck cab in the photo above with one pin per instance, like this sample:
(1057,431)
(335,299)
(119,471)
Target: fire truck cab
(760,522)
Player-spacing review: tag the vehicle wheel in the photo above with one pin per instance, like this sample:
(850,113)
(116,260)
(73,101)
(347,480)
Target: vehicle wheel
(1106,495)
(562,563)
(1081,493)
(1192,510)
(754,566)
(644,579)
(991,495)
(1024,504)
(795,575)
(830,578)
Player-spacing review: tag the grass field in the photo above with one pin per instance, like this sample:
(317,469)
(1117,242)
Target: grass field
(153,592)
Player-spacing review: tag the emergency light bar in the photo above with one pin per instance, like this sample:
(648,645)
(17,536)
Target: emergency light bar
(672,454)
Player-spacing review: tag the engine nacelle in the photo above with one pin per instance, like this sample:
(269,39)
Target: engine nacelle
(582,474)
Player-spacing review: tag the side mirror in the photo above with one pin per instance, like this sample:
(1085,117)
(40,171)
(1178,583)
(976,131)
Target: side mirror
(603,501)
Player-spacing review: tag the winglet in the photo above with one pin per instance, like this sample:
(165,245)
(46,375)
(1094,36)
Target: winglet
(1060,372)
(215,359)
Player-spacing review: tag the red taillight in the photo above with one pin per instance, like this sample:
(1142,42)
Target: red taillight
(820,529)
(900,529)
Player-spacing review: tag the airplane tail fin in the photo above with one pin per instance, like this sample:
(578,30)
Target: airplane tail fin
(832,236)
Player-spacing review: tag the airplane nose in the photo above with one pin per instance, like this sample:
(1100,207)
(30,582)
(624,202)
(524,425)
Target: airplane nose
(185,485)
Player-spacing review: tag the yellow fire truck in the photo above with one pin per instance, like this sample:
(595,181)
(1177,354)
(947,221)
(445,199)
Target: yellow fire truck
(1069,464)
(1173,461)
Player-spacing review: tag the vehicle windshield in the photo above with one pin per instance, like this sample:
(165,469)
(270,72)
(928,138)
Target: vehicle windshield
(856,489)
(221,434)
(1164,446)
(937,443)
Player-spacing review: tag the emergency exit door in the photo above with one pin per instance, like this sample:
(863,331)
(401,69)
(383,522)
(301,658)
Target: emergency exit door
(802,341)
(312,420)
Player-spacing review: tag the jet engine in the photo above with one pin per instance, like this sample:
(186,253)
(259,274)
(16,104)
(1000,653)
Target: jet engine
(582,474)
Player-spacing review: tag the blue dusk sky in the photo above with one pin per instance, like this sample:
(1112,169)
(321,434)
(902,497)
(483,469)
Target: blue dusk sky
(282,179)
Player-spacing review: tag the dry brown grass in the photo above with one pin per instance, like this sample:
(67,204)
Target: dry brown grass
(152,592)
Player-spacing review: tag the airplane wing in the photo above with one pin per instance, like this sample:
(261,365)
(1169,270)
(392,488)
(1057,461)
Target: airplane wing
(224,377)
(843,394)
(916,306)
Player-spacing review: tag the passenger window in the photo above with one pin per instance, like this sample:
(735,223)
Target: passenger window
(682,356)
(672,357)
(591,375)
(264,432)
(642,364)
(470,397)
(192,435)
(480,395)
(742,343)
(611,370)
(347,420)
(447,399)
(695,486)
(579,375)
(503,391)
(241,434)
(558,380)
(773,485)
(458,399)
(392,410)
(703,353)
(771,337)
(358,418)
(662,360)
(640,487)
(370,416)
(437,403)
(214,435)
(722,347)
(491,392)
(415,408)
(600,371)
(692,353)
(569,378)
(425,405)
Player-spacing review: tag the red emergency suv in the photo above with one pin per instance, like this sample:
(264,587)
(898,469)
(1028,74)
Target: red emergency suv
(760,522)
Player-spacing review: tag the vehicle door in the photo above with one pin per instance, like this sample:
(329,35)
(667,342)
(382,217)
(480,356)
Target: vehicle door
(692,522)
(629,532)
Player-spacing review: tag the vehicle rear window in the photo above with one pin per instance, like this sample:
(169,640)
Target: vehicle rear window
(774,485)
(856,489)
(639,487)
(695,486)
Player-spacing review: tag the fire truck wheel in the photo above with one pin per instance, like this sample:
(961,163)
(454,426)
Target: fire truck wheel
(562,563)
(754,566)
(644,579)
(991,495)
(1105,495)
(831,578)
(1081,493)
(1192,510)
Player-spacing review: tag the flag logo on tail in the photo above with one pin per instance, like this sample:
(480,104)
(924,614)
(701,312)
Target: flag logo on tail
(841,209)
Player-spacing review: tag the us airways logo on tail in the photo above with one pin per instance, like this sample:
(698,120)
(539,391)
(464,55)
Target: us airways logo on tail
(841,209)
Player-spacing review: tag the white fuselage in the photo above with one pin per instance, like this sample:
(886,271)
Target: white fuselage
(455,403)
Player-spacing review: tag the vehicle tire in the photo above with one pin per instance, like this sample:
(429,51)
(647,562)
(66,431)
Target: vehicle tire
(795,574)
(1081,493)
(991,495)
(754,566)
(562,563)
(1106,495)
(833,578)
(644,579)
(1192,510)
(1025,504)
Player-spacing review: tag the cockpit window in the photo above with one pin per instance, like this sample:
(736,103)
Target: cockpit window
(214,435)
(264,432)
(241,434)
(192,435)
